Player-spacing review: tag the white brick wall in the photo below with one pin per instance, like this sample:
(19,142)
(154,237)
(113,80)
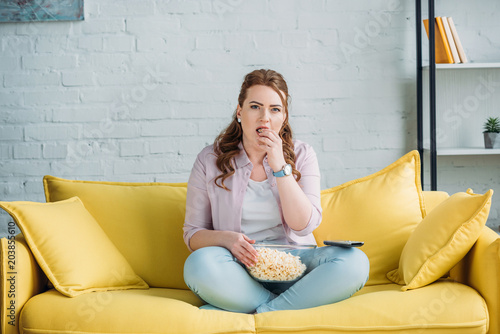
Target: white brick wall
(137,89)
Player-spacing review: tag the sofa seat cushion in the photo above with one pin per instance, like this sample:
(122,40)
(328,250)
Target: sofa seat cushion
(156,310)
(442,307)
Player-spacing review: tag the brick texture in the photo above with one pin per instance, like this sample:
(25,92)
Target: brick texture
(137,89)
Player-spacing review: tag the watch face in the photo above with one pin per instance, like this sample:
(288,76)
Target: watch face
(287,169)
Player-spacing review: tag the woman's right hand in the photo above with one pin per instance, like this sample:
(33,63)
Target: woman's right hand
(241,247)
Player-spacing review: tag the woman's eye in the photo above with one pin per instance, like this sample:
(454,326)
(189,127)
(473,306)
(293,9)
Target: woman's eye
(254,106)
(276,110)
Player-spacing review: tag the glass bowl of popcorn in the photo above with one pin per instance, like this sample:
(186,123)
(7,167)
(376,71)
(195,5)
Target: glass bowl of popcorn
(277,263)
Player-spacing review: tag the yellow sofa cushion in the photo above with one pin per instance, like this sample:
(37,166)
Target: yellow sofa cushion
(381,209)
(443,237)
(71,247)
(433,199)
(443,307)
(157,310)
(143,220)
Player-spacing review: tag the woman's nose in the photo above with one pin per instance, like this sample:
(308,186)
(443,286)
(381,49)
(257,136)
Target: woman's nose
(264,115)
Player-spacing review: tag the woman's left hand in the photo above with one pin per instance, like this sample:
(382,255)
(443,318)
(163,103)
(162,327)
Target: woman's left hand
(270,141)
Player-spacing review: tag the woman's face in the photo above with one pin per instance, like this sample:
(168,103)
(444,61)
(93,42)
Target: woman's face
(262,108)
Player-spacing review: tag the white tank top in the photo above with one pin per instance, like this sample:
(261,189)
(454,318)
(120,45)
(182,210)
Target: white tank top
(260,216)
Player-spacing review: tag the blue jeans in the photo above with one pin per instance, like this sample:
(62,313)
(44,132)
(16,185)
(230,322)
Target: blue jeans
(333,274)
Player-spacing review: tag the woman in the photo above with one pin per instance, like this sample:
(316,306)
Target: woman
(255,183)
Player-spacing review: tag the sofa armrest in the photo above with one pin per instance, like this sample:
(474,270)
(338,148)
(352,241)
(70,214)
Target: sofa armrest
(21,279)
(480,269)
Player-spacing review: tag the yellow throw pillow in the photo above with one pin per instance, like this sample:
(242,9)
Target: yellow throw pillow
(71,247)
(381,209)
(143,220)
(442,239)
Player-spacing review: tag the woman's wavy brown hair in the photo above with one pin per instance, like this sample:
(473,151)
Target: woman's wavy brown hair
(226,144)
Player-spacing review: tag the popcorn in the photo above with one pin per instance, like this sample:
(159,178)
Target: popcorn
(275,265)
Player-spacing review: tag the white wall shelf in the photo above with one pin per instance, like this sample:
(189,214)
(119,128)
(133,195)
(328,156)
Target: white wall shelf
(464,100)
(453,102)
(464,66)
(465,151)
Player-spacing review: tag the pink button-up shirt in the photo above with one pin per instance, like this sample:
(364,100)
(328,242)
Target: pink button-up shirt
(209,207)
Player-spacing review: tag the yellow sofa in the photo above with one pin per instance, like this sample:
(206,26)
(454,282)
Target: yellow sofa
(144,222)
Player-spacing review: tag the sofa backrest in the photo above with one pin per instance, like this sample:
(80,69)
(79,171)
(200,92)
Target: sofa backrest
(433,198)
(144,221)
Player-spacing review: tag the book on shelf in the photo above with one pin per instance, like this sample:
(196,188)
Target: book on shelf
(450,39)
(442,49)
(458,43)
(448,48)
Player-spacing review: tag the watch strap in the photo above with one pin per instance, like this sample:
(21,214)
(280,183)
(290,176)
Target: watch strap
(280,173)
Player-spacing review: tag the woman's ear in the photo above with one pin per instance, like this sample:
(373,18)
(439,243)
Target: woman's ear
(238,111)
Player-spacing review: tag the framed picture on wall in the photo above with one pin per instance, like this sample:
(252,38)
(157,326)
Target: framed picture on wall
(41,10)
